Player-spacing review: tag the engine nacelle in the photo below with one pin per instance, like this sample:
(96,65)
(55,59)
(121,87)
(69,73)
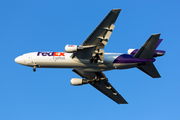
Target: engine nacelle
(79,81)
(71,48)
(132,51)
(76,81)
(156,52)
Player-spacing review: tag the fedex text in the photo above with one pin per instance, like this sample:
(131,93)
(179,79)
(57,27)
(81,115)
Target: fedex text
(51,54)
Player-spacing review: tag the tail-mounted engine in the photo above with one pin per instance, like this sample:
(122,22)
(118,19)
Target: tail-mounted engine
(157,53)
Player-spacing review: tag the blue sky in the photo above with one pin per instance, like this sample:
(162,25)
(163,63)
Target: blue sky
(41,25)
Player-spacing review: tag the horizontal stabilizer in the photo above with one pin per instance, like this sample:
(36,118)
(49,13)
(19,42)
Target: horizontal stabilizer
(150,69)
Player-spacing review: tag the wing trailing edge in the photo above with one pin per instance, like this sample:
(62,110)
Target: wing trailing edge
(100,82)
(106,88)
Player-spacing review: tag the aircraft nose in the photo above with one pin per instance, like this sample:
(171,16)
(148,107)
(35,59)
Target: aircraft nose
(19,60)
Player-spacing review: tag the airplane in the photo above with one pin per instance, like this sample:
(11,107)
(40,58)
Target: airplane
(89,60)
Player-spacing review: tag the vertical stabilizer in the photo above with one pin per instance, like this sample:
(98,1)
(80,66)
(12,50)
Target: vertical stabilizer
(159,41)
(146,52)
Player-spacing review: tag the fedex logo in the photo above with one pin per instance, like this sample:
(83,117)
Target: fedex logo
(71,45)
(59,54)
(51,53)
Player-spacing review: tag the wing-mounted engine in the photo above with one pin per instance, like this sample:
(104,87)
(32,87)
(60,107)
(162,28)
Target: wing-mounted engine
(71,48)
(79,81)
(75,48)
(94,78)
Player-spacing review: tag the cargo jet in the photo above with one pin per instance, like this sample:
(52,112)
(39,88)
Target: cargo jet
(89,60)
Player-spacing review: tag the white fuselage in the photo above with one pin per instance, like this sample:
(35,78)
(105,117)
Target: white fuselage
(65,60)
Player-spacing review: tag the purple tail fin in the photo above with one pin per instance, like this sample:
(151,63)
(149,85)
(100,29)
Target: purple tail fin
(156,52)
(160,40)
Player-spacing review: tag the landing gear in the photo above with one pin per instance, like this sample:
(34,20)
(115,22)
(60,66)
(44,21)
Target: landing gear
(97,56)
(34,68)
(93,59)
(95,82)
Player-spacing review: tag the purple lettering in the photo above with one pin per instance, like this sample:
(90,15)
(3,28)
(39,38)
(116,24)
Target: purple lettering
(45,53)
(38,53)
(50,53)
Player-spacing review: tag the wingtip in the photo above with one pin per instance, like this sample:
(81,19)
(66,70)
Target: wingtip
(157,34)
(116,9)
(122,102)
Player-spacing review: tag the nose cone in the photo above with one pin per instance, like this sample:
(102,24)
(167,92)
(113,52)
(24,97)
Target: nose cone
(19,60)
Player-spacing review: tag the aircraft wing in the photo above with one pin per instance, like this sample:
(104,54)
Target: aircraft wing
(102,85)
(99,37)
